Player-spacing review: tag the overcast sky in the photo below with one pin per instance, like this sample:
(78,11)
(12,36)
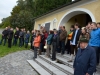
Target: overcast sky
(6,7)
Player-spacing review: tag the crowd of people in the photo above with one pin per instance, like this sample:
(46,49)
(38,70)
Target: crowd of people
(13,37)
(54,41)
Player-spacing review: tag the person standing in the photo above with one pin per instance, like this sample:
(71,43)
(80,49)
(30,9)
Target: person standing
(41,43)
(24,33)
(36,44)
(85,60)
(95,40)
(45,37)
(49,42)
(4,36)
(16,35)
(74,41)
(63,36)
(27,37)
(55,43)
(32,38)
(10,37)
(59,32)
(88,27)
(21,35)
(68,47)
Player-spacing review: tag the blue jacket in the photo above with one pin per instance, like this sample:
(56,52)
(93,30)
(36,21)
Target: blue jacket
(27,36)
(85,62)
(49,39)
(95,38)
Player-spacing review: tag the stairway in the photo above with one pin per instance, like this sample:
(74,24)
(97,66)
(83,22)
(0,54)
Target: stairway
(44,65)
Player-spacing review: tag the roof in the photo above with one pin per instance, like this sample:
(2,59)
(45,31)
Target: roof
(70,3)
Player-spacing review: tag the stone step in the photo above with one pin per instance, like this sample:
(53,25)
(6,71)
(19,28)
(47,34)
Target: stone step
(64,61)
(66,69)
(48,67)
(38,68)
(66,56)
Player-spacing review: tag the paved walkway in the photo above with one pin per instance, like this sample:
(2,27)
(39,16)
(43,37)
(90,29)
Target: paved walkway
(16,64)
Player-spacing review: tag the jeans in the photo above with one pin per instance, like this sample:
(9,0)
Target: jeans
(15,41)
(63,47)
(4,41)
(97,53)
(20,42)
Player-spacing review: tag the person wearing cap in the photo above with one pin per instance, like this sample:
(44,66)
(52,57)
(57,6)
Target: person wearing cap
(84,63)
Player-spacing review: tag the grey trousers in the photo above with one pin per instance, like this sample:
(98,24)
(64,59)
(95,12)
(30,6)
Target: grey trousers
(35,52)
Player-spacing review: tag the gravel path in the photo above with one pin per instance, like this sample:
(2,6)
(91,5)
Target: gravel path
(16,64)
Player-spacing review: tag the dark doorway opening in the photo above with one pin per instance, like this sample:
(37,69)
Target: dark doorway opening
(47,27)
(88,19)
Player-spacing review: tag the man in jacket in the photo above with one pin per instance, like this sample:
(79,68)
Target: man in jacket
(59,32)
(4,36)
(63,39)
(85,60)
(74,40)
(95,39)
(16,35)
(21,36)
(10,36)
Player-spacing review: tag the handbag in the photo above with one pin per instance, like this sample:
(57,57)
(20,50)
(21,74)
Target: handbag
(45,47)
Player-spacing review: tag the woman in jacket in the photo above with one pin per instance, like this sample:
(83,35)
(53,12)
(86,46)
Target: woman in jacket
(55,43)
(49,41)
(36,43)
(68,40)
(27,36)
(84,34)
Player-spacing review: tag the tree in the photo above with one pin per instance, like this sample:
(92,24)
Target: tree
(24,13)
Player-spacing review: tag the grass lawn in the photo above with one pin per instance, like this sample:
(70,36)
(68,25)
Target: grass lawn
(4,50)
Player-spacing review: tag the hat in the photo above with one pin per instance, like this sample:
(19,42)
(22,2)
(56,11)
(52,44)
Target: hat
(83,39)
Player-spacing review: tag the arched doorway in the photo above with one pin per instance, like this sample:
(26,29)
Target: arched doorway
(76,15)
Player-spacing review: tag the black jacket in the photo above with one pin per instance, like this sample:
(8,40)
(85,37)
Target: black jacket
(5,34)
(85,62)
(16,35)
(77,36)
(55,40)
(10,34)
